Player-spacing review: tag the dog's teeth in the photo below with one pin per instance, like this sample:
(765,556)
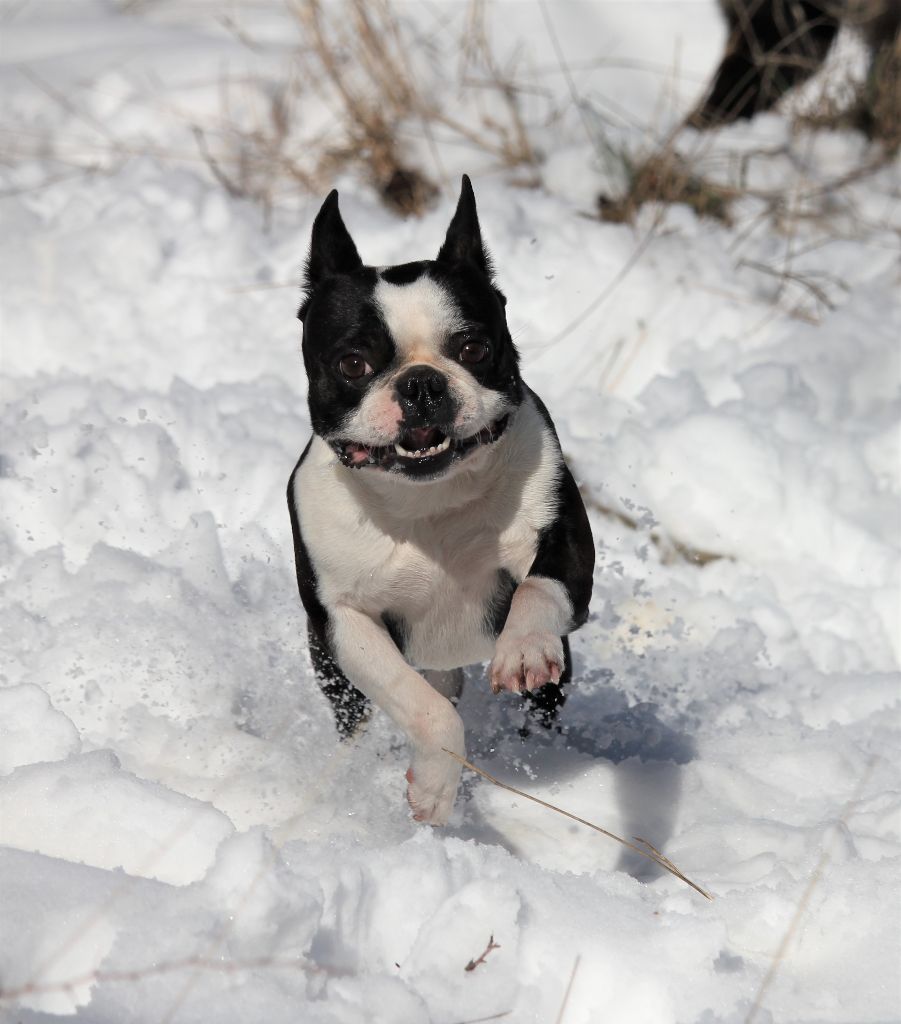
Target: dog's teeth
(422,453)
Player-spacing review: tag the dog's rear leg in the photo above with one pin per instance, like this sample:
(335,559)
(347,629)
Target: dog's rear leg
(449,683)
(349,706)
(545,703)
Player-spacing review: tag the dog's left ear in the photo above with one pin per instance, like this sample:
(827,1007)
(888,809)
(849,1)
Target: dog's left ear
(463,245)
(332,250)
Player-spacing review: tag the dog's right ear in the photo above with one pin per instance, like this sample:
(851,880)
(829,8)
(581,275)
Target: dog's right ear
(332,250)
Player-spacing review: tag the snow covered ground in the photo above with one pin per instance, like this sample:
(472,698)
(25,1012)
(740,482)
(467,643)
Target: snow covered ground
(182,838)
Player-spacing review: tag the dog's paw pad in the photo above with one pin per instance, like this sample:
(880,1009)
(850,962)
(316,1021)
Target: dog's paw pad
(525,662)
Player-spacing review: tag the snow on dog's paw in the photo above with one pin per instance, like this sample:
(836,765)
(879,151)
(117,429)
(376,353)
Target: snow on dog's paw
(525,662)
(433,788)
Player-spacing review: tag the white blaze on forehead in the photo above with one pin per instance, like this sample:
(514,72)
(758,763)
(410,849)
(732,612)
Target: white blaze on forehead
(420,315)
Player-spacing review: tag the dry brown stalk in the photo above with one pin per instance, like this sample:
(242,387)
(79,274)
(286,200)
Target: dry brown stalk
(191,963)
(365,57)
(669,547)
(665,177)
(569,988)
(473,964)
(784,275)
(484,1020)
(646,850)
(812,883)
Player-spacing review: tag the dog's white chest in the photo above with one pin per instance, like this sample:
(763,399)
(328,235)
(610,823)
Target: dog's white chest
(441,588)
(437,579)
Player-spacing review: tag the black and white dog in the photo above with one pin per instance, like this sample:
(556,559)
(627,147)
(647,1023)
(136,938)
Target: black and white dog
(435,522)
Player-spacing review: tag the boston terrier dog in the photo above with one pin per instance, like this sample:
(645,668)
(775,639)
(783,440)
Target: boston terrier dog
(435,522)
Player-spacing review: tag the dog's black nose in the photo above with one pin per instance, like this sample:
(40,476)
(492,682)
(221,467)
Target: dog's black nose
(422,391)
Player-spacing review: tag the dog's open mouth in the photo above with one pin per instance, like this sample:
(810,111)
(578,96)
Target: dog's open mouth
(418,451)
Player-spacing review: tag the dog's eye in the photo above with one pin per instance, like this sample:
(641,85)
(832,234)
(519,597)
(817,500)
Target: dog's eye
(474,352)
(354,367)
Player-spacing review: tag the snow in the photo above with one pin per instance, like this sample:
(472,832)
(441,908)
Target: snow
(182,837)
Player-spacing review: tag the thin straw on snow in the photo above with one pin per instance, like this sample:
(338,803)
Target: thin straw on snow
(645,850)
(812,883)
(569,988)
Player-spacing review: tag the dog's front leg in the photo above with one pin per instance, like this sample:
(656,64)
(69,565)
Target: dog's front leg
(551,601)
(369,658)
(529,651)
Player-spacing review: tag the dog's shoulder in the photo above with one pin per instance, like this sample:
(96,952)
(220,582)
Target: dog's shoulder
(333,524)
(307,581)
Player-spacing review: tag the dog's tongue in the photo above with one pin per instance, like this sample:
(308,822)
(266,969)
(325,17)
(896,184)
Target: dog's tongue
(423,437)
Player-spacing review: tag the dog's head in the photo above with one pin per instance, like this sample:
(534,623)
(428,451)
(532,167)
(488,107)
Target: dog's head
(411,368)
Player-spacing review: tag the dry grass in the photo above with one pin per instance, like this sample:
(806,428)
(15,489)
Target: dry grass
(837,100)
(639,846)
(365,52)
(671,550)
(667,177)
(389,109)
(872,107)
(568,991)
(361,58)
(803,903)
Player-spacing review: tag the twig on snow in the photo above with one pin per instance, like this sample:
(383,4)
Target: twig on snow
(812,883)
(569,988)
(645,850)
(189,963)
(473,964)
(483,1020)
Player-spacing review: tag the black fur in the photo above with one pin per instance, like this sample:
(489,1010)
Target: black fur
(774,45)
(397,630)
(405,273)
(545,703)
(566,547)
(341,318)
(463,246)
(332,250)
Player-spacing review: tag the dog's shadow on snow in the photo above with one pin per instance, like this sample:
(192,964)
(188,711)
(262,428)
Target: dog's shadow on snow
(645,753)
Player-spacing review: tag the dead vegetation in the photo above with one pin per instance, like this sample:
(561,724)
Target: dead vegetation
(774,46)
(367,90)
(667,177)
(638,845)
(671,550)
(772,49)
(473,964)
(871,107)
(389,109)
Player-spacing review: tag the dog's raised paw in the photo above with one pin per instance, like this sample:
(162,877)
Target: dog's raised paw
(525,662)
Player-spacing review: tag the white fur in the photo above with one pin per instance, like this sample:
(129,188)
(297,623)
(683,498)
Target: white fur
(368,657)
(420,316)
(529,652)
(429,553)
(416,550)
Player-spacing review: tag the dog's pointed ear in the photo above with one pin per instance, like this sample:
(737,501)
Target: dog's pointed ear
(463,245)
(332,250)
